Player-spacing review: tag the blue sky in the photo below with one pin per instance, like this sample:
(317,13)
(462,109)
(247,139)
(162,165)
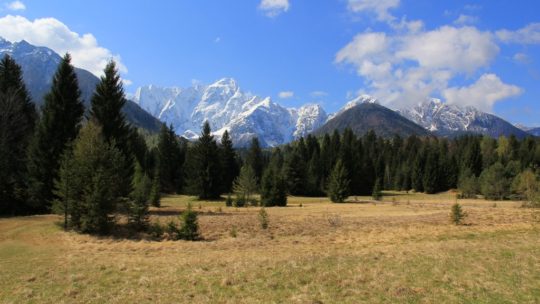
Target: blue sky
(480,53)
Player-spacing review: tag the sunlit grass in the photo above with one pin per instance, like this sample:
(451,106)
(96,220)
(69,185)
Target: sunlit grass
(403,249)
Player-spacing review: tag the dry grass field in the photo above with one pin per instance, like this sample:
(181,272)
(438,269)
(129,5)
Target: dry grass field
(401,250)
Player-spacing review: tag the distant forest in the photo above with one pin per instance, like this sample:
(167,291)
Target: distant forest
(89,168)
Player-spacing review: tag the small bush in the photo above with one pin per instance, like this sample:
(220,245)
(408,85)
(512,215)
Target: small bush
(239,202)
(263,218)
(156,230)
(229,201)
(457,214)
(334,220)
(190,225)
(233,233)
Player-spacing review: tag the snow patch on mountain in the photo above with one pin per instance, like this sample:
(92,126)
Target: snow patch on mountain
(227,107)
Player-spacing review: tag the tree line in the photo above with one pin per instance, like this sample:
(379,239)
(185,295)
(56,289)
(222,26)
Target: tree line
(91,165)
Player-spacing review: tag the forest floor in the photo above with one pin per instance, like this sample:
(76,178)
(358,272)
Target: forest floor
(400,250)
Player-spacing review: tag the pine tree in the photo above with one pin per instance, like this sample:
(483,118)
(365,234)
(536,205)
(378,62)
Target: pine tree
(245,185)
(106,109)
(295,173)
(430,179)
(171,157)
(59,125)
(255,159)
(377,194)
(190,225)
(17,119)
(229,163)
(155,191)
(273,188)
(338,184)
(87,186)
(457,214)
(140,198)
(205,172)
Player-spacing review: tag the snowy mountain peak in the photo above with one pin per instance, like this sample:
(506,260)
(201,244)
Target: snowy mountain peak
(443,118)
(227,107)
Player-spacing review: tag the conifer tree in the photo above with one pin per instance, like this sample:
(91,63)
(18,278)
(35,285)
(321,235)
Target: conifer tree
(245,185)
(87,186)
(430,179)
(17,119)
(140,198)
(295,173)
(273,188)
(171,155)
(205,172)
(59,125)
(255,159)
(338,184)
(155,191)
(106,109)
(377,194)
(229,163)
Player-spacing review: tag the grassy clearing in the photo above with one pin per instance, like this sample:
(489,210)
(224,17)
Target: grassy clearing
(403,249)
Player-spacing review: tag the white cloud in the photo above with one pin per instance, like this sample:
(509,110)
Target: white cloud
(379,7)
(217,40)
(317,94)
(286,94)
(465,19)
(483,94)
(527,35)
(273,8)
(16,6)
(405,68)
(50,32)
(462,49)
(522,58)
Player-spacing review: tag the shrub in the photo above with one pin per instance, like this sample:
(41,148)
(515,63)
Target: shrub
(229,201)
(190,226)
(457,214)
(263,218)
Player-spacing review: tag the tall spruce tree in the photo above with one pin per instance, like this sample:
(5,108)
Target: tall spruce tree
(17,118)
(87,186)
(273,187)
(59,125)
(171,156)
(106,109)
(229,162)
(254,158)
(205,170)
(338,184)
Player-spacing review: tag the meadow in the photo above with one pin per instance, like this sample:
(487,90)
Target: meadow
(401,250)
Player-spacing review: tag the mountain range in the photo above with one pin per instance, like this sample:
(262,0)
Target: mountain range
(227,107)
(39,64)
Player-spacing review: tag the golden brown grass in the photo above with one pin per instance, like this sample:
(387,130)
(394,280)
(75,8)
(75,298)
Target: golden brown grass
(403,249)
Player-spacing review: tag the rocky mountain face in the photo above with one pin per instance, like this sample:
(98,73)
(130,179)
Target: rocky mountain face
(364,114)
(39,65)
(227,107)
(449,120)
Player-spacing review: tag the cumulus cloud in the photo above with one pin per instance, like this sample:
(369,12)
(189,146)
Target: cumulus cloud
(482,94)
(273,8)
(379,7)
(527,35)
(403,69)
(16,6)
(52,33)
(286,94)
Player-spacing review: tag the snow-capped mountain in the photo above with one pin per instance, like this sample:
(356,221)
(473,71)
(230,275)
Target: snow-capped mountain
(39,64)
(449,119)
(227,107)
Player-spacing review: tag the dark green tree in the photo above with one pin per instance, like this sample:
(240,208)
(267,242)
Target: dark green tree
(493,182)
(59,125)
(171,157)
(338,184)
(17,119)
(254,158)
(205,170)
(229,162)
(140,199)
(273,188)
(106,109)
(87,186)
